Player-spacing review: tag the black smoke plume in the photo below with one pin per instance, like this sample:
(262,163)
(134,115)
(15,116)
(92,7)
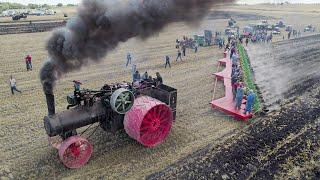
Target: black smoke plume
(100,25)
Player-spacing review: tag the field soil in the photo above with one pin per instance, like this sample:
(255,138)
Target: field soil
(286,143)
(26,154)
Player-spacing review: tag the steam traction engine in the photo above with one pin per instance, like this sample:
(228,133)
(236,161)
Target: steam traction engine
(146,110)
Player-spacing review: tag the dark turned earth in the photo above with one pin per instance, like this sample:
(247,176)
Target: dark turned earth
(285,143)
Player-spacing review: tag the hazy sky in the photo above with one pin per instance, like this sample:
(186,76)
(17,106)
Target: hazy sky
(77,1)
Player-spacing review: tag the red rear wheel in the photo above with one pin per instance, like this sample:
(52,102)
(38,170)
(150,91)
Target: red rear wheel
(149,121)
(75,152)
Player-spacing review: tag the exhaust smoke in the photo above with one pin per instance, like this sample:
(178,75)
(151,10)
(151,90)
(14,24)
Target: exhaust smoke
(100,25)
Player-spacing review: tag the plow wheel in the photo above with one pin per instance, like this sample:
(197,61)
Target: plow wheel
(149,121)
(75,152)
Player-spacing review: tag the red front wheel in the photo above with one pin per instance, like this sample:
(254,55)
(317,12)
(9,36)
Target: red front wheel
(75,152)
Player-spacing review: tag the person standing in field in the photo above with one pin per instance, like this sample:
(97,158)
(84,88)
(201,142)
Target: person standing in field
(184,50)
(29,62)
(133,70)
(167,62)
(179,55)
(220,43)
(247,41)
(13,85)
(129,58)
(196,48)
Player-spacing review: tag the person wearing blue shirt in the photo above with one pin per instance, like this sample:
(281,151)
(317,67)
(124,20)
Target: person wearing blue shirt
(76,85)
(136,76)
(128,59)
(239,97)
(145,76)
(250,102)
(234,59)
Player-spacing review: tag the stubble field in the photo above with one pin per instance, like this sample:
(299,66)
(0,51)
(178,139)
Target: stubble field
(25,152)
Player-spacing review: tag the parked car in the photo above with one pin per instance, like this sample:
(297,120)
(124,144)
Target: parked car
(19,16)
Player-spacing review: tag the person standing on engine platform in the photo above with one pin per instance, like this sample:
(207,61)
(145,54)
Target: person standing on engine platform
(77,85)
(150,79)
(13,85)
(145,76)
(136,76)
(167,62)
(158,79)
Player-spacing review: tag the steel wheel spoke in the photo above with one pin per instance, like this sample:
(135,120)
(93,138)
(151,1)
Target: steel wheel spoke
(117,107)
(128,102)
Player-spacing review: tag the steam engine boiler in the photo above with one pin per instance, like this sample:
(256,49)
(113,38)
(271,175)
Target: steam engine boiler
(145,110)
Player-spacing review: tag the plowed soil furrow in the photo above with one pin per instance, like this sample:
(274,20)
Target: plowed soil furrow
(268,146)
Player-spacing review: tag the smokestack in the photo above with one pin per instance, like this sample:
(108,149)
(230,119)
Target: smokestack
(100,25)
(50,104)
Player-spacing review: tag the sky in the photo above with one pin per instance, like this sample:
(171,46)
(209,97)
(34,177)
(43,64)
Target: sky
(54,2)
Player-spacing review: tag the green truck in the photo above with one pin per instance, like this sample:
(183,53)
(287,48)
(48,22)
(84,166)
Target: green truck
(199,39)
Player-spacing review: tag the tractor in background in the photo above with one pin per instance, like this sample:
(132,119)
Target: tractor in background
(19,16)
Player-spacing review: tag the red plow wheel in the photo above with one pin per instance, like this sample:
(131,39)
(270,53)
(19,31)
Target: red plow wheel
(75,152)
(149,121)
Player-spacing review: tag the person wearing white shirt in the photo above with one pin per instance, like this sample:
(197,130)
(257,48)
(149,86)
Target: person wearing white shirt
(13,85)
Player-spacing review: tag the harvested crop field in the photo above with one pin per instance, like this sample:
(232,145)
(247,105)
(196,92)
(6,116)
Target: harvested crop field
(26,151)
(30,27)
(203,142)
